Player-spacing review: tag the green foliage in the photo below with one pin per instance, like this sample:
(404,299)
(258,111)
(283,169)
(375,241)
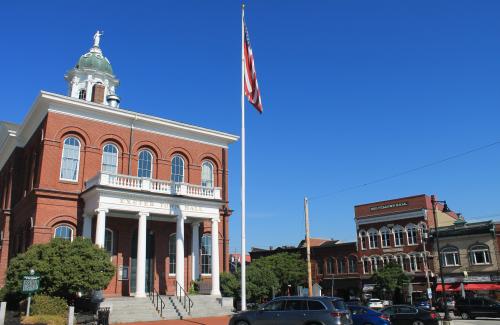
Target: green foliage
(389,280)
(44,320)
(194,288)
(47,305)
(229,285)
(261,282)
(65,267)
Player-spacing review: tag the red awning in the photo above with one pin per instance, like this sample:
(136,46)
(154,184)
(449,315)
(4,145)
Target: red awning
(448,287)
(481,286)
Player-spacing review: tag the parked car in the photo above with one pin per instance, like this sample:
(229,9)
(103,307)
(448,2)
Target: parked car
(422,303)
(353,302)
(375,303)
(297,311)
(470,308)
(409,315)
(450,303)
(365,316)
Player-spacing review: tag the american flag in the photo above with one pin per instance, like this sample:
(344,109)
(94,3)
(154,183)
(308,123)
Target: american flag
(251,85)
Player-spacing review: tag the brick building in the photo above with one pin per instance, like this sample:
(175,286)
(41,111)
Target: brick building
(151,191)
(396,231)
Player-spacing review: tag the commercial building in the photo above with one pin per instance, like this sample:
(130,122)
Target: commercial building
(152,192)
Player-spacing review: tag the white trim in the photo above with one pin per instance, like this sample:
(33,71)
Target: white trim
(212,168)
(183,168)
(112,240)
(64,225)
(117,155)
(152,162)
(365,220)
(77,166)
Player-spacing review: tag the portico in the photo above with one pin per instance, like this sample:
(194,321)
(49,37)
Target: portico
(142,201)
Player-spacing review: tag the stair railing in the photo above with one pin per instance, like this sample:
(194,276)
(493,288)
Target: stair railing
(157,301)
(183,297)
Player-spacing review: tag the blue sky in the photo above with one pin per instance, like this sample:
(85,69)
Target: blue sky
(353,91)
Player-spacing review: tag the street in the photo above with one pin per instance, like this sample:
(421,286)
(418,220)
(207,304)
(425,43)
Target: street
(477,321)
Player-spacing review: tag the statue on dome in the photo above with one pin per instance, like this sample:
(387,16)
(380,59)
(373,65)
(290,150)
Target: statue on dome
(97,38)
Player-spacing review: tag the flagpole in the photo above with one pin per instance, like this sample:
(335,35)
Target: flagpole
(243,177)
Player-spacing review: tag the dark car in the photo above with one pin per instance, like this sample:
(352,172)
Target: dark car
(422,303)
(365,316)
(409,315)
(354,302)
(297,311)
(470,308)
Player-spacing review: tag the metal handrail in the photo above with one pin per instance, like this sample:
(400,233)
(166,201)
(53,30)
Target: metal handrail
(157,301)
(185,301)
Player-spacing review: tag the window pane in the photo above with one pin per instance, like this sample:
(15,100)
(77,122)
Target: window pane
(275,306)
(315,305)
(70,159)
(177,169)
(206,254)
(110,159)
(172,253)
(296,305)
(145,164)
(207,175)
(64,232)
(108,241)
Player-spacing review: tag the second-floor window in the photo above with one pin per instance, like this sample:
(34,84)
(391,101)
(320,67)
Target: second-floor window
(110,159)
(177,169)
(340,265)
(398,236)
(329,265)
(207,174)
(411,231)
(373,236)
(145,166)
(353,261)
(70,159)
(450,256)
(480,254)
(386,237)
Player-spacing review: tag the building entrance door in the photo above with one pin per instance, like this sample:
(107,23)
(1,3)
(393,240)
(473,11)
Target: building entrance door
(150,244)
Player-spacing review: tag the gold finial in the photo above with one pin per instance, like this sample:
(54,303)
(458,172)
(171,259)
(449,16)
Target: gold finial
(243,6)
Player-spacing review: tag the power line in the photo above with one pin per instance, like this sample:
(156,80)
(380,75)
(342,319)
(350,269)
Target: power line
(408,171)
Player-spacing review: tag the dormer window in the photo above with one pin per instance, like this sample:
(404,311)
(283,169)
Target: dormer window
(82,94)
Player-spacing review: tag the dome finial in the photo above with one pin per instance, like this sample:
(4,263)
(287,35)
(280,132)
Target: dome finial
(97,38)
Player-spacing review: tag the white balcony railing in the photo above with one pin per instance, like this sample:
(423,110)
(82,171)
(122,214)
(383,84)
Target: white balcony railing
(153,186)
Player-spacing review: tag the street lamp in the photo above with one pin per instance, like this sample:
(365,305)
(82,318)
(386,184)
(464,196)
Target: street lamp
(436,228)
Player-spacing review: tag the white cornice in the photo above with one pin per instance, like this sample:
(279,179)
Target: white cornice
(46,102)
(366,220)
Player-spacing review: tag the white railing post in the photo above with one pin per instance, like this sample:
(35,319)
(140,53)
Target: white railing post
(103,179)
(146,184)
(183,189)
(217,193)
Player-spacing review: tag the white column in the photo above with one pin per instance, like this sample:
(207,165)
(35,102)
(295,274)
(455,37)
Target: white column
(87,226)
(215,258)
(141,256)
(100,228)
(195,251)
(179,253)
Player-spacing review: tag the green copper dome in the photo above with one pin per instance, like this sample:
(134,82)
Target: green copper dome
(94,60)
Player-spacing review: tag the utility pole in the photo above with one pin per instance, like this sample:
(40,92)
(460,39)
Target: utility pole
(308,248)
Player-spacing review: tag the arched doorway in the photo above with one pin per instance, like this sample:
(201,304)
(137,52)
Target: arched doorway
(150,244)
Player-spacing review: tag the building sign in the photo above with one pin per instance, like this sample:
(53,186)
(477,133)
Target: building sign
(31,283)
(389,206)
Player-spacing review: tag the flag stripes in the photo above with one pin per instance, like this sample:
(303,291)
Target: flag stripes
(251,85)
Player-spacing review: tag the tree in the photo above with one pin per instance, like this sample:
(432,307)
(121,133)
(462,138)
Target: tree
(390,280)
(66,267)
(229,285)
(261,282)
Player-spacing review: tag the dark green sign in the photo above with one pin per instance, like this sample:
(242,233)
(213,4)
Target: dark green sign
(31,283)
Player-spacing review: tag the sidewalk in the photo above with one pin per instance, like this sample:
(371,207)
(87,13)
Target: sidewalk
(192,321)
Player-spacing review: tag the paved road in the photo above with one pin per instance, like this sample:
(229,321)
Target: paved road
(477,321)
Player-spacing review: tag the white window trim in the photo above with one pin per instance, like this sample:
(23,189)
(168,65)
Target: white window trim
(183,168)
(385,230)
(117,157)
(362,234)
(64,225)
(211,254)
(212,174)
(485,250)
(112,240)
(407,228)
(77,165)
(169,262)
(370,232)
(152,162)
(456,254)
(402,237)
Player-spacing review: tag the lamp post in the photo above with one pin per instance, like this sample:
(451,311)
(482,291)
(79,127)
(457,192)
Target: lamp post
(436,228)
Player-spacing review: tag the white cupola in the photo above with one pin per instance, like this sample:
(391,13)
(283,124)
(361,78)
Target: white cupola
(92,78)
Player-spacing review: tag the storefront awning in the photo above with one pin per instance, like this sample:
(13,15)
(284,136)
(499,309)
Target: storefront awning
(448,287)
(481,286)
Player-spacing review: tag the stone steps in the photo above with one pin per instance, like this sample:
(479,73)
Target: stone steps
(203,306)
(129,309)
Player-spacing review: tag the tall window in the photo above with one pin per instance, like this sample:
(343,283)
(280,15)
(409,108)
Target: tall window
(362,239)
(319,267)
(423,232)
(108,241)
(411,232)
(64,232)
(206,254)
(353,261)
(398,236)
(110,159)
(329,265)
(413,263)
(70,159)
(340,265)
(82,94)
(373,236)
(480,254)
(207,174)
(177,169)
(171,253)
(145,164)
(450,256)
(386,237)
(367,266)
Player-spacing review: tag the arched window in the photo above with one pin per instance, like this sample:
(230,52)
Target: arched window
(145,168)
(353,262)
(207,174)
(386,236)
(329,265)
(413,263)
(64,232)
(82,94)
(177,169)
(70,159)
(362,239)
(108,241)
(398,236)
(479,255)
(172,239)
(411,233)
(373,236)
(206,254)
(423,231)
(340,265)
(366,266)
(319,267)
(450,256)
(110,159)
(400,261)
